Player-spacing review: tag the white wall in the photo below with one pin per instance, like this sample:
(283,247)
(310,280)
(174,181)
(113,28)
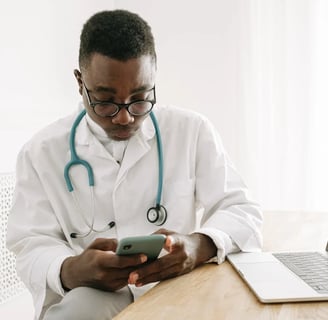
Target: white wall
(38,52)
(40,48)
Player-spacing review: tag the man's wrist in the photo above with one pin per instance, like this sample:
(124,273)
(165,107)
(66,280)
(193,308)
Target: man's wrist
(54,282)
(206,248)
(65,276)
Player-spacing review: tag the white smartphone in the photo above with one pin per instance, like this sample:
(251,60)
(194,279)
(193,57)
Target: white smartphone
(150,245)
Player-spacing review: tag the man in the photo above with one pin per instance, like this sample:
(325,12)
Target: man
(64,227)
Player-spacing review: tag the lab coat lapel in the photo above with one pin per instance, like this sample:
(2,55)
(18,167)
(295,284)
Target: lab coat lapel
(137,147)
(86,142)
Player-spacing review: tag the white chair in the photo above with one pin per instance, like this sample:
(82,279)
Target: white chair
(15,300)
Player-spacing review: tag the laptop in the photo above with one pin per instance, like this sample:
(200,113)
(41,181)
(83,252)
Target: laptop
(284,276)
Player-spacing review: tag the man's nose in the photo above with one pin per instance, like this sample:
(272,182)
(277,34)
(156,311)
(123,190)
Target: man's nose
(123,117)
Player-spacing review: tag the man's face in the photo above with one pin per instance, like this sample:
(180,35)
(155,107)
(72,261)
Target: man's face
(110,80)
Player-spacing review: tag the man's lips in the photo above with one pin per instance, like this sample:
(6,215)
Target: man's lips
(123,133)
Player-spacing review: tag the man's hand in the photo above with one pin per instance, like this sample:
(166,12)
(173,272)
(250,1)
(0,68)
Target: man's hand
(99,267)
(185,252)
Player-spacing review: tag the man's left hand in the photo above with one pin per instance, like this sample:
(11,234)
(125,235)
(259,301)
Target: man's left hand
(185,253)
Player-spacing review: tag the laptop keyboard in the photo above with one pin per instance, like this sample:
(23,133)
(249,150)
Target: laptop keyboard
(311,267)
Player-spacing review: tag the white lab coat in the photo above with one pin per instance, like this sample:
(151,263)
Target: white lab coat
(197,174)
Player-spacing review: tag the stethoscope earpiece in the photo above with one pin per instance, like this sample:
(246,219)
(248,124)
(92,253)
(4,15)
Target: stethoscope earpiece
(75,235)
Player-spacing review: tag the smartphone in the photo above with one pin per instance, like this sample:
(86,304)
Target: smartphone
(150,245)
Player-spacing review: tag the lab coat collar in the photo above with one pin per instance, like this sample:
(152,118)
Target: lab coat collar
(84,135)
(137,147)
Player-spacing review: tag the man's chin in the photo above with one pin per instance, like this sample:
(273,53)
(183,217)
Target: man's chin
(121,135)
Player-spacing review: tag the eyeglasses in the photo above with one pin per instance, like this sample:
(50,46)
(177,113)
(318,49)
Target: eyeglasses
(110,109)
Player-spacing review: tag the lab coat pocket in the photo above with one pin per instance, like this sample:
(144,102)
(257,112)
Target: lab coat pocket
(179,200)
(183,188)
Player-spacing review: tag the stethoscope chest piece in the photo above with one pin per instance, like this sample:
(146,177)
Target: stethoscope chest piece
(157,215)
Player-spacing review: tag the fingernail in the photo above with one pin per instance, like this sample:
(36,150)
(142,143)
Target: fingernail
(143,258)
(169,242)
(133,278)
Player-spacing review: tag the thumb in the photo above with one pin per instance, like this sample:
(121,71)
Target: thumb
(172,242)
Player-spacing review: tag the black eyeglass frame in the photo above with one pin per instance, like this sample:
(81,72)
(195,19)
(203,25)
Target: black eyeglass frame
(119,106)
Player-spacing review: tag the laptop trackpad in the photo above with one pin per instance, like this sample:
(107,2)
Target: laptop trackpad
(273,282)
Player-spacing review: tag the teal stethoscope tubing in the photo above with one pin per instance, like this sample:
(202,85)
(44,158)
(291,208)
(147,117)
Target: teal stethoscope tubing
(160,160)
(76,160)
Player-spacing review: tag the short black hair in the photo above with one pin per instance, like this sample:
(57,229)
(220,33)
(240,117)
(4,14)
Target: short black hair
(118,34)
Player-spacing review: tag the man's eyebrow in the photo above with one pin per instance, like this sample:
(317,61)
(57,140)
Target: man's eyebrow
(105,89)
(114,91)
(141,89)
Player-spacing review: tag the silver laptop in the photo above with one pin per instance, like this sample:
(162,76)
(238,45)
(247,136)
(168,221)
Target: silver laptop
(284,276)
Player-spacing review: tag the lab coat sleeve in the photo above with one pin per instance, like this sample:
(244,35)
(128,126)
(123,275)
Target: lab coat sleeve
(34,234)
(230,218)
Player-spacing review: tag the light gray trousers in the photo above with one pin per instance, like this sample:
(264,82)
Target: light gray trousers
(85,303)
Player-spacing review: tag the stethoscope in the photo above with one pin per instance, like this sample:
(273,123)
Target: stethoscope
(156,214)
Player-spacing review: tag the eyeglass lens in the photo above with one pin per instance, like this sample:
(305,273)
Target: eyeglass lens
(135,108)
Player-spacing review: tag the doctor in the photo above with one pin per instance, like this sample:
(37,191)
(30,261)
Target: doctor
(91,178)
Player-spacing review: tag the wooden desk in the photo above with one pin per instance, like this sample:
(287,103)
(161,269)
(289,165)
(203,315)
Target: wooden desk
(215,292)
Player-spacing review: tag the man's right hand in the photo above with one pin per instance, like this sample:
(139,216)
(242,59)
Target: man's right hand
(99,267)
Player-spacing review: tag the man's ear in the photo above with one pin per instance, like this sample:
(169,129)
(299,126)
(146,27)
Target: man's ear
(78,77)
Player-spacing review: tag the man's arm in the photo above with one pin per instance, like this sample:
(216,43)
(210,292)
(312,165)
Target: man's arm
(230,221)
